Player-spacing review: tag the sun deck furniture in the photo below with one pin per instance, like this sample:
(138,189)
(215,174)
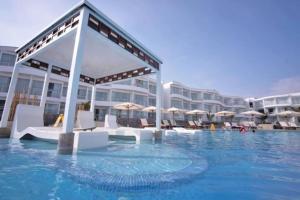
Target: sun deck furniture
(174,124)
(144,123)
(165,124)
(191,124)
(28,123)
(235,125)
(293,125)
(227,125)
(284,125)
(181,130)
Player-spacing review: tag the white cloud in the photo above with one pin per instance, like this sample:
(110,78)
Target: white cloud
(286,85)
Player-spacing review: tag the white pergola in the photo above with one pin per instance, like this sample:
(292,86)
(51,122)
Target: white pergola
(84,45)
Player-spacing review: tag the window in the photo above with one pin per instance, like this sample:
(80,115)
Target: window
(54,90)
(141,83)
(207,96)
(152,89)
(194,96)
(101,96)
(195,106)
(186,93)
(152,101)
(81,94)
(176,103)
(51,108)
(208,107)
(36,88)
(140,99)
(269,102)
(282,100)
(4,83)
(22,86)
(64,91)
(296,100)
(7,59)
(89,95)
(186,105)
(176,90)
(100,113)
(120,97)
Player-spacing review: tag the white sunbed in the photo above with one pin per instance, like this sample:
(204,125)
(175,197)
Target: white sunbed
(227,125)
(28,121)
(85,120)
(186,131)
(284,125)
(293,125)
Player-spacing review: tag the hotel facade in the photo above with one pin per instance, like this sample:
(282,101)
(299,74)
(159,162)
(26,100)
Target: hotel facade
(140,90)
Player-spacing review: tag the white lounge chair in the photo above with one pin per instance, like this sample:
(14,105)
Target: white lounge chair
(284,125)
(28,121)
(227,125)
(86,120)
(293,125)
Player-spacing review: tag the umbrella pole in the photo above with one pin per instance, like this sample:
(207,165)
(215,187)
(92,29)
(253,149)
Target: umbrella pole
(128,117)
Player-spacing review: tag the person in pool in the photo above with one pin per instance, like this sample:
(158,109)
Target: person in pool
(243,129)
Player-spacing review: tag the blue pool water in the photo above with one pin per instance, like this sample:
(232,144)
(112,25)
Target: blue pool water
(220,165)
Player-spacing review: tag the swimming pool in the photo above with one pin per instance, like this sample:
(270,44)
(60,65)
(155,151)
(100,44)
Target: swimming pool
(220,165)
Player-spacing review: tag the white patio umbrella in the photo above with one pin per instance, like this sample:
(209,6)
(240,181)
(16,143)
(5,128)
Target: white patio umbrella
(225,113)
(289,113)
(196,112)
(128,106)
(174,110)
(252,113)
(152,109)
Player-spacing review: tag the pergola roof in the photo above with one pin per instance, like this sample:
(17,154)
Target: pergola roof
(110,53)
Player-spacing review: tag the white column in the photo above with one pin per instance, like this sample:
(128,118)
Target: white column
(45,87)
(10,96)
(158,100)
(75,70)
(93,99)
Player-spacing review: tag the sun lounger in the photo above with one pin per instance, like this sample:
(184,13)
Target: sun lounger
(198,124)
(284,125)
(111,126)
(227,125)
(165,124)
(144,123)
(192,125)
(28,122)
(235,125)
(174,124)
(293,125)
(180,130)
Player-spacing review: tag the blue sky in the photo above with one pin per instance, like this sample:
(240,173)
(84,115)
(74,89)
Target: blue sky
(239,47)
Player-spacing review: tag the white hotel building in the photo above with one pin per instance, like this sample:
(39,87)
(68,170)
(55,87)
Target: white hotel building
(276,104)
(181,96)
(140,90)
